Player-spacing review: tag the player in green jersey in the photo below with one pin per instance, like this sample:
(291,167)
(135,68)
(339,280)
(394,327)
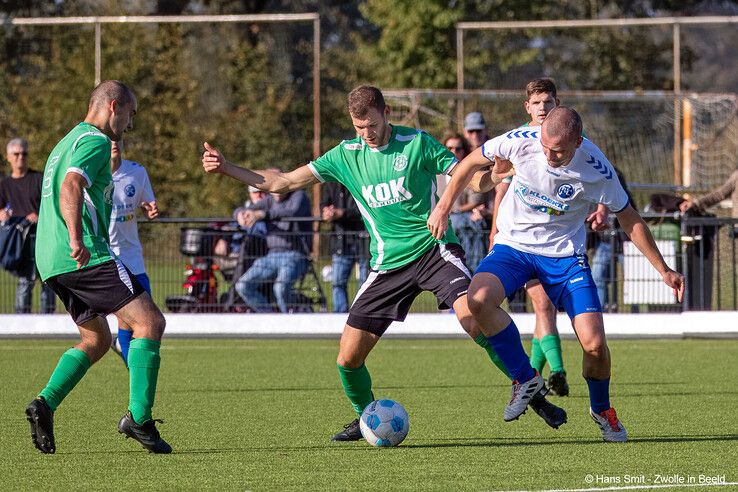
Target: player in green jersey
(74,259)
(391,172)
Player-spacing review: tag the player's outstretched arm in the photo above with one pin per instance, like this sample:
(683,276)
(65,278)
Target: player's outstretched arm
(462,175)
(639,233)
(484,181)
(270,181)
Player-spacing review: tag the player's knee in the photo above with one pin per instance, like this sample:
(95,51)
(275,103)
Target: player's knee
(596,348)
(159,322)
(350,361)
(482,296)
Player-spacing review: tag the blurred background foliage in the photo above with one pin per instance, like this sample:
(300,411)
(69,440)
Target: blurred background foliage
(247,88)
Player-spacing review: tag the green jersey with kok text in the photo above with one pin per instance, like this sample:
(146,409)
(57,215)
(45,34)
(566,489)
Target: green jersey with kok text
(86,151)
(395,189)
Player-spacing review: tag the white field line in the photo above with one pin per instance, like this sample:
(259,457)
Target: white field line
(637,487)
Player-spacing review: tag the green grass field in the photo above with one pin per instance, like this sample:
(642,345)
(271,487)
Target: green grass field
(257,415)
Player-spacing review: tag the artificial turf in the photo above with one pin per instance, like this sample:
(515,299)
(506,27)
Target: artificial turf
(248,414)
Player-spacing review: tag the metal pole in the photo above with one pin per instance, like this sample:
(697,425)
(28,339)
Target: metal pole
(685,263)
(98,54)
(459,74)
(316,130)
(719,279)
(677,104)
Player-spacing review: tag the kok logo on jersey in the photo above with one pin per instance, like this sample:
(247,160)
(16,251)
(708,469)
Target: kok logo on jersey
(129,190)
(385,194)
(400,163)
(565,191)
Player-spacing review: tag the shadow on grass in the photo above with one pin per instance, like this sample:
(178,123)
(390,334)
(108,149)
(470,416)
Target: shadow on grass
(509,442)
(516,441)
(481,386)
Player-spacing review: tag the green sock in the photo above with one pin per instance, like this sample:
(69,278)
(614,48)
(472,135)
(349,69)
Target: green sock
(537,357)
(482,341)
(551,346)
(357,384)
(143,371)
(72,366)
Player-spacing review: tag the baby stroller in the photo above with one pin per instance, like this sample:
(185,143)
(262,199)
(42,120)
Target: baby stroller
(201,282)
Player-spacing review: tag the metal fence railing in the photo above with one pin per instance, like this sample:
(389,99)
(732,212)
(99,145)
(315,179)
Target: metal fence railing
(194,266)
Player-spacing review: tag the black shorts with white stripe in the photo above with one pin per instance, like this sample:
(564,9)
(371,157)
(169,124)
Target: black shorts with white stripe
(387,295)
(96,291)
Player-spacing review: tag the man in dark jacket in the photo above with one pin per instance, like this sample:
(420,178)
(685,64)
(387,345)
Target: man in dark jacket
(288,244)
(20,197)
(349,241)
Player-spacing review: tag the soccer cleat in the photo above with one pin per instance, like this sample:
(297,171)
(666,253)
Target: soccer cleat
(350,432)
(551,414)
(612,429)
(557,383)
(521,396)
(115,346)
(145,434)
(41,418)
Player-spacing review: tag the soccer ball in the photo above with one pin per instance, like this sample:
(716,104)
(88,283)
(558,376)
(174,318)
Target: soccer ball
(384,423)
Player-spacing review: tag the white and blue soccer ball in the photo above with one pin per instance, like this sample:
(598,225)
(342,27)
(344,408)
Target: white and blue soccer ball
(384,423)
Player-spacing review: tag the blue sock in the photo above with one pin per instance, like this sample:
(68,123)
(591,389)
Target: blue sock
(509,348)
(124,339)
(599,394)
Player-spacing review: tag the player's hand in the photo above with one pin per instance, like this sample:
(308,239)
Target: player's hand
(686,205)
(79,253)
(502,169)
(329,213)
(32,218)
(151,210)
(675,280)
(250,217)
(212,160)
(437,223)
(598,220)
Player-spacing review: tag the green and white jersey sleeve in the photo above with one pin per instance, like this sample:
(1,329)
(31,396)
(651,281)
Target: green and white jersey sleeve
(84,151)
(395,189)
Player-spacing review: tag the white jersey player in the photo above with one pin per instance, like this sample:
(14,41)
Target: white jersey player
(132,190)
(559,175)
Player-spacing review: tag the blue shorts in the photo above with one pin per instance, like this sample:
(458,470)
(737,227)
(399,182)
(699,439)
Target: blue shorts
(143,279)
(567,281)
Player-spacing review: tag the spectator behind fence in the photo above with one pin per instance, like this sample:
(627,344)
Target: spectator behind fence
(20,200)
(232,247)
(604,253)
(288,244)
(475,129)
(722,192)
(470,213)
(349,242)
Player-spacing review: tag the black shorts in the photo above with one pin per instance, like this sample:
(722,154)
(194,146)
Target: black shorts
(96,291)
(386,296)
